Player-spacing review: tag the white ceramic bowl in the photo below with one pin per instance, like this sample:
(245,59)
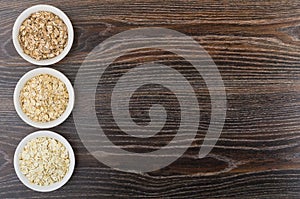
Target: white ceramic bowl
(23,178)
(25,14)
(32,74)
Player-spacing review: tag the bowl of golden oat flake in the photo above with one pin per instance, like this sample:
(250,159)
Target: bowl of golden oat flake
(44,161)
(43,35)
(44,98)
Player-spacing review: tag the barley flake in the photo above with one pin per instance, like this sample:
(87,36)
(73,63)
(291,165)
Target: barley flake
(44,161)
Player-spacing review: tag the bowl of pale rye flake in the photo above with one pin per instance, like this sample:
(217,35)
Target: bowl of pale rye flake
(43,35)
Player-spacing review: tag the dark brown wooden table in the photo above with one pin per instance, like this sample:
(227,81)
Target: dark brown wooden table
(256,46)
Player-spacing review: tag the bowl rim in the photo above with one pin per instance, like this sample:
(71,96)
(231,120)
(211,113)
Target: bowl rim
(51,134)
(26,13)
(33,73)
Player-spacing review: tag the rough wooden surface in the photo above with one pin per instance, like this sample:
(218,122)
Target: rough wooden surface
(256,46)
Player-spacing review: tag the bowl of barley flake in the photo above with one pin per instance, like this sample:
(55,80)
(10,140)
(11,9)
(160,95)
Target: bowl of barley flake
(44,161)
(43,35)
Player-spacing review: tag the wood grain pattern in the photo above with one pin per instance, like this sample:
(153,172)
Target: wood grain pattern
(256,46)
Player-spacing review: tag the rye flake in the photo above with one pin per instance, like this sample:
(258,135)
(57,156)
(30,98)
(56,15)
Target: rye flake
(43,35)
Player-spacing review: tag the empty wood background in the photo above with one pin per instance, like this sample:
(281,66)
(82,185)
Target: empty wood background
(256,46)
